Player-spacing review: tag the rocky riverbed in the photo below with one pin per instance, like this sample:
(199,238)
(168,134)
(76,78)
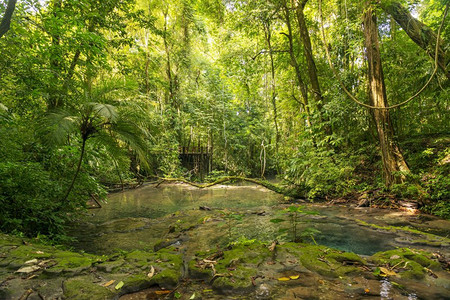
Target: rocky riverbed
(246,270)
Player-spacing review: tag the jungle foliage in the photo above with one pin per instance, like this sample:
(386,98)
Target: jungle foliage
(95,93)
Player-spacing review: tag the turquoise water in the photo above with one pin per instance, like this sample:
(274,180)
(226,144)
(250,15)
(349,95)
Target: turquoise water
(138,218)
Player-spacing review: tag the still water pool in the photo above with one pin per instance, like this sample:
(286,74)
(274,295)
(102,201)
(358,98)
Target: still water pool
(144,217)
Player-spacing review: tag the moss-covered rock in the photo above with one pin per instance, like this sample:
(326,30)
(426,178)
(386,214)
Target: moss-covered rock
(233,270)
(238,281)
(409,263)
(168,278)
(82,288)
(111,265)
(69,262)
(325,261)
(139,258)
(199,272)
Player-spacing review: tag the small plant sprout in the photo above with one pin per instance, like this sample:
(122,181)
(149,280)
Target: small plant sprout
(294,213)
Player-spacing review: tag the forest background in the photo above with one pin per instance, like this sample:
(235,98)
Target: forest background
(99,92)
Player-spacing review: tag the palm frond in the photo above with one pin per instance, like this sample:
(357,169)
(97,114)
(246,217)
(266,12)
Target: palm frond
(57,125)
(106,111)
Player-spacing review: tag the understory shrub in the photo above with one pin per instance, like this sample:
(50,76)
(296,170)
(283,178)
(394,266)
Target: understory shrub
(323,172)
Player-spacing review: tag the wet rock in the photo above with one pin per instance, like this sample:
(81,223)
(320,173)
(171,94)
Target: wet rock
(110,266)
(83,288)
(69,262)
(410,263)
(263,292)
(169,242)
(196,271)
(237,282)
(327,262)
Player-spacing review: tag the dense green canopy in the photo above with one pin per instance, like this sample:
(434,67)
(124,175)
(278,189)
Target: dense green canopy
(98,92)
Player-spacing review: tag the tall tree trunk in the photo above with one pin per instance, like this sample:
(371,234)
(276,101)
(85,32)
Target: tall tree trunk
(55,97)
(394,165)
(170,96)
(294,62)
(306,40)
(6,20)
(268,36)
(312,69)
(420,33)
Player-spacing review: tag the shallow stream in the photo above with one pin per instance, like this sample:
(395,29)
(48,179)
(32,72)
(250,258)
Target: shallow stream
(192,220)
(141,218)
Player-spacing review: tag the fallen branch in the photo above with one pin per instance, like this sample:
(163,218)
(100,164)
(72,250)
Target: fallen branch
(266,184)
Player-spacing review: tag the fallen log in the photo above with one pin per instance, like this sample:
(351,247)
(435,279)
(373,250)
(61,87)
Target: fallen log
(273,187)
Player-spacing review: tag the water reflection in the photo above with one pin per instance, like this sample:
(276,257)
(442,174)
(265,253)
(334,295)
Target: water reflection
(139,219)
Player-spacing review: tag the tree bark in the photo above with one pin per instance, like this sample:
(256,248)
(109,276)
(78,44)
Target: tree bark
(294,62)
(268,36)
(266,184)
(312,69)
(420,33)
(394,165)
(306,40)
(6,20)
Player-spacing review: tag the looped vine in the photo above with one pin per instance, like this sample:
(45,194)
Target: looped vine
(356,100)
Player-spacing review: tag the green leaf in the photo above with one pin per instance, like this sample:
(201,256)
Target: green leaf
(119,285)
(177,295)
(277,221)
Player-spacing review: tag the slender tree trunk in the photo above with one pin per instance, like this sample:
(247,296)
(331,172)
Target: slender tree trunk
(420,33)
(294,62)
(394,165)
(83,146)
(306,40)
(312,69)
(170,79)
(268,36)
(55,96)
(6,20)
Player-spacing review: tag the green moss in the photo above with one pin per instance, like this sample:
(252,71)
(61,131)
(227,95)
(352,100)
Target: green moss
(135,283)
(137,256)
(197,272)
(170,255)
(411,263)
(430,238)
(82,288)
(235,269)
(30,252)
(69,264)
(111,266)
(168,278)
(240,281)
(254,254)
(140,259)
(345,257)
(326,261)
